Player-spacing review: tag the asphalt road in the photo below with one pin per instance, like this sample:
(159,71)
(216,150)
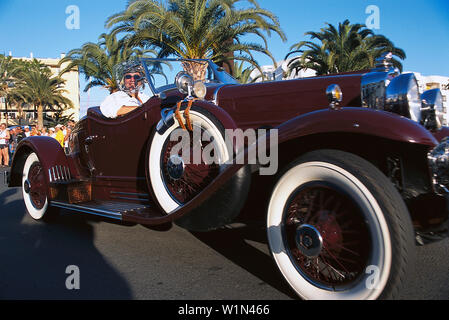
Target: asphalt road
(118,261)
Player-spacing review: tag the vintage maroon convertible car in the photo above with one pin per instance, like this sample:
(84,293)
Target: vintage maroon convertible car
(360,163)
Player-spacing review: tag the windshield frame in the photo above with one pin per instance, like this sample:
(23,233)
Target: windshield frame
(222,76)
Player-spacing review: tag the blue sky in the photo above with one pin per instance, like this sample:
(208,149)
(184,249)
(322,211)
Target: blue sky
(421,28)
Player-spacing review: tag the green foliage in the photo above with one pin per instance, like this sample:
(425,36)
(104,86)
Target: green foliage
(57,118)
(36,85)
(350,47)
(97,60)
(243,74)
(197,29)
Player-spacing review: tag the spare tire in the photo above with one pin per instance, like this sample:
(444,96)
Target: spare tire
(178,172)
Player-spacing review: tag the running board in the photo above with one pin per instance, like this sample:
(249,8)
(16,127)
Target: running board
(109,209)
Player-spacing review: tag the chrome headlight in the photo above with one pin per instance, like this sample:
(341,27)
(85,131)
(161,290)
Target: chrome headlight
(402,97)
(184,82)
(432,109)
(200,90)
(386,89)
(186,85)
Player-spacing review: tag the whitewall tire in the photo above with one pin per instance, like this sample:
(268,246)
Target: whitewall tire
(338,229)
(174,185)
(161,182)
(35,189)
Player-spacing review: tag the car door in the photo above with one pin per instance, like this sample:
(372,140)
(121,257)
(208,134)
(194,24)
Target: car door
(116,145)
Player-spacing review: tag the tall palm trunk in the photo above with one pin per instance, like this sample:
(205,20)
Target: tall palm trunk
(6,109)
(40,116)
(196,70)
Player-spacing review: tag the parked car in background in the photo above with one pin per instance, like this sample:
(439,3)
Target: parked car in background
(358,161)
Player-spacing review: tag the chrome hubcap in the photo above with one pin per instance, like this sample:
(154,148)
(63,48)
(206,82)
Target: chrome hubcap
(175,167)
(309,241)
(27,186)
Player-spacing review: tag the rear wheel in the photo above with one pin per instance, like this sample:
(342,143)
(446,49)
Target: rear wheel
(35,190)
(338,229)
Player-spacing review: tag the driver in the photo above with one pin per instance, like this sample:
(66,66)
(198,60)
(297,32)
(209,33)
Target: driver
(130,77)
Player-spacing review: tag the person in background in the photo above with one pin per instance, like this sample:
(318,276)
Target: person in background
(44,132)
(59,135)
(20,135)
(12,141)
(34,131)
(27,131)
(66,143)
(71,124)
(4,145)
(52,133)
(69,128)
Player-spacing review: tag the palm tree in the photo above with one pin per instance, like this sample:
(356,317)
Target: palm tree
(37,86)
(197,29)
(7,72)
(97,60)
(244,75)
(350,47)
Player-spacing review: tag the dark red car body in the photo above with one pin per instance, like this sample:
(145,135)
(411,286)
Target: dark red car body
(108,158)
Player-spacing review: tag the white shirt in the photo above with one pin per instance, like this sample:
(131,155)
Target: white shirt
(66,143)
(3,134)
(112,104)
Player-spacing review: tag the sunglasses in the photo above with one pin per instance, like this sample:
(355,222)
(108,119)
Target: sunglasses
(135,77)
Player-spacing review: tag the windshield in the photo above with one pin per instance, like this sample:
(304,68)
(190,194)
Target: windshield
(161,73)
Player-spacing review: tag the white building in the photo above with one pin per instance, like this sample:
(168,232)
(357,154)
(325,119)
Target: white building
(71,87)
(436,82)
(273,73)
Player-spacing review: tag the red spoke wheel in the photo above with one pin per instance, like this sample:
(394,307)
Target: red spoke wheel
(338,229)
(35,190)
(184,177)
(327,236)
(35,184)
(182,164)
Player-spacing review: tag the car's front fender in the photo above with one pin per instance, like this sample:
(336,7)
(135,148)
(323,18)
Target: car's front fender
(356,121)
(50,154)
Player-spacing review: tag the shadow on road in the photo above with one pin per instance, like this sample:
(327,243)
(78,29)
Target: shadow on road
(232,244)
(34,256)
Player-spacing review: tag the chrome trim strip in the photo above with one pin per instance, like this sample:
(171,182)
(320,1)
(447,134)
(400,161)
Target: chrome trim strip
(217,90)
(49,176)
(130,194)
(99,212)
(131,199)
(61,173)
(54,174)
(219,73)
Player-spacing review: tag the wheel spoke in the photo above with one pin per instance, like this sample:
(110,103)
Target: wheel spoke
(195,177)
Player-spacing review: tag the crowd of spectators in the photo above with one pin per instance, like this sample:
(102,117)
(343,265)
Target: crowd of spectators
(11,137)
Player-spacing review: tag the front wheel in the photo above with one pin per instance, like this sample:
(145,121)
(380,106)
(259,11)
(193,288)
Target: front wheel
(338,229)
